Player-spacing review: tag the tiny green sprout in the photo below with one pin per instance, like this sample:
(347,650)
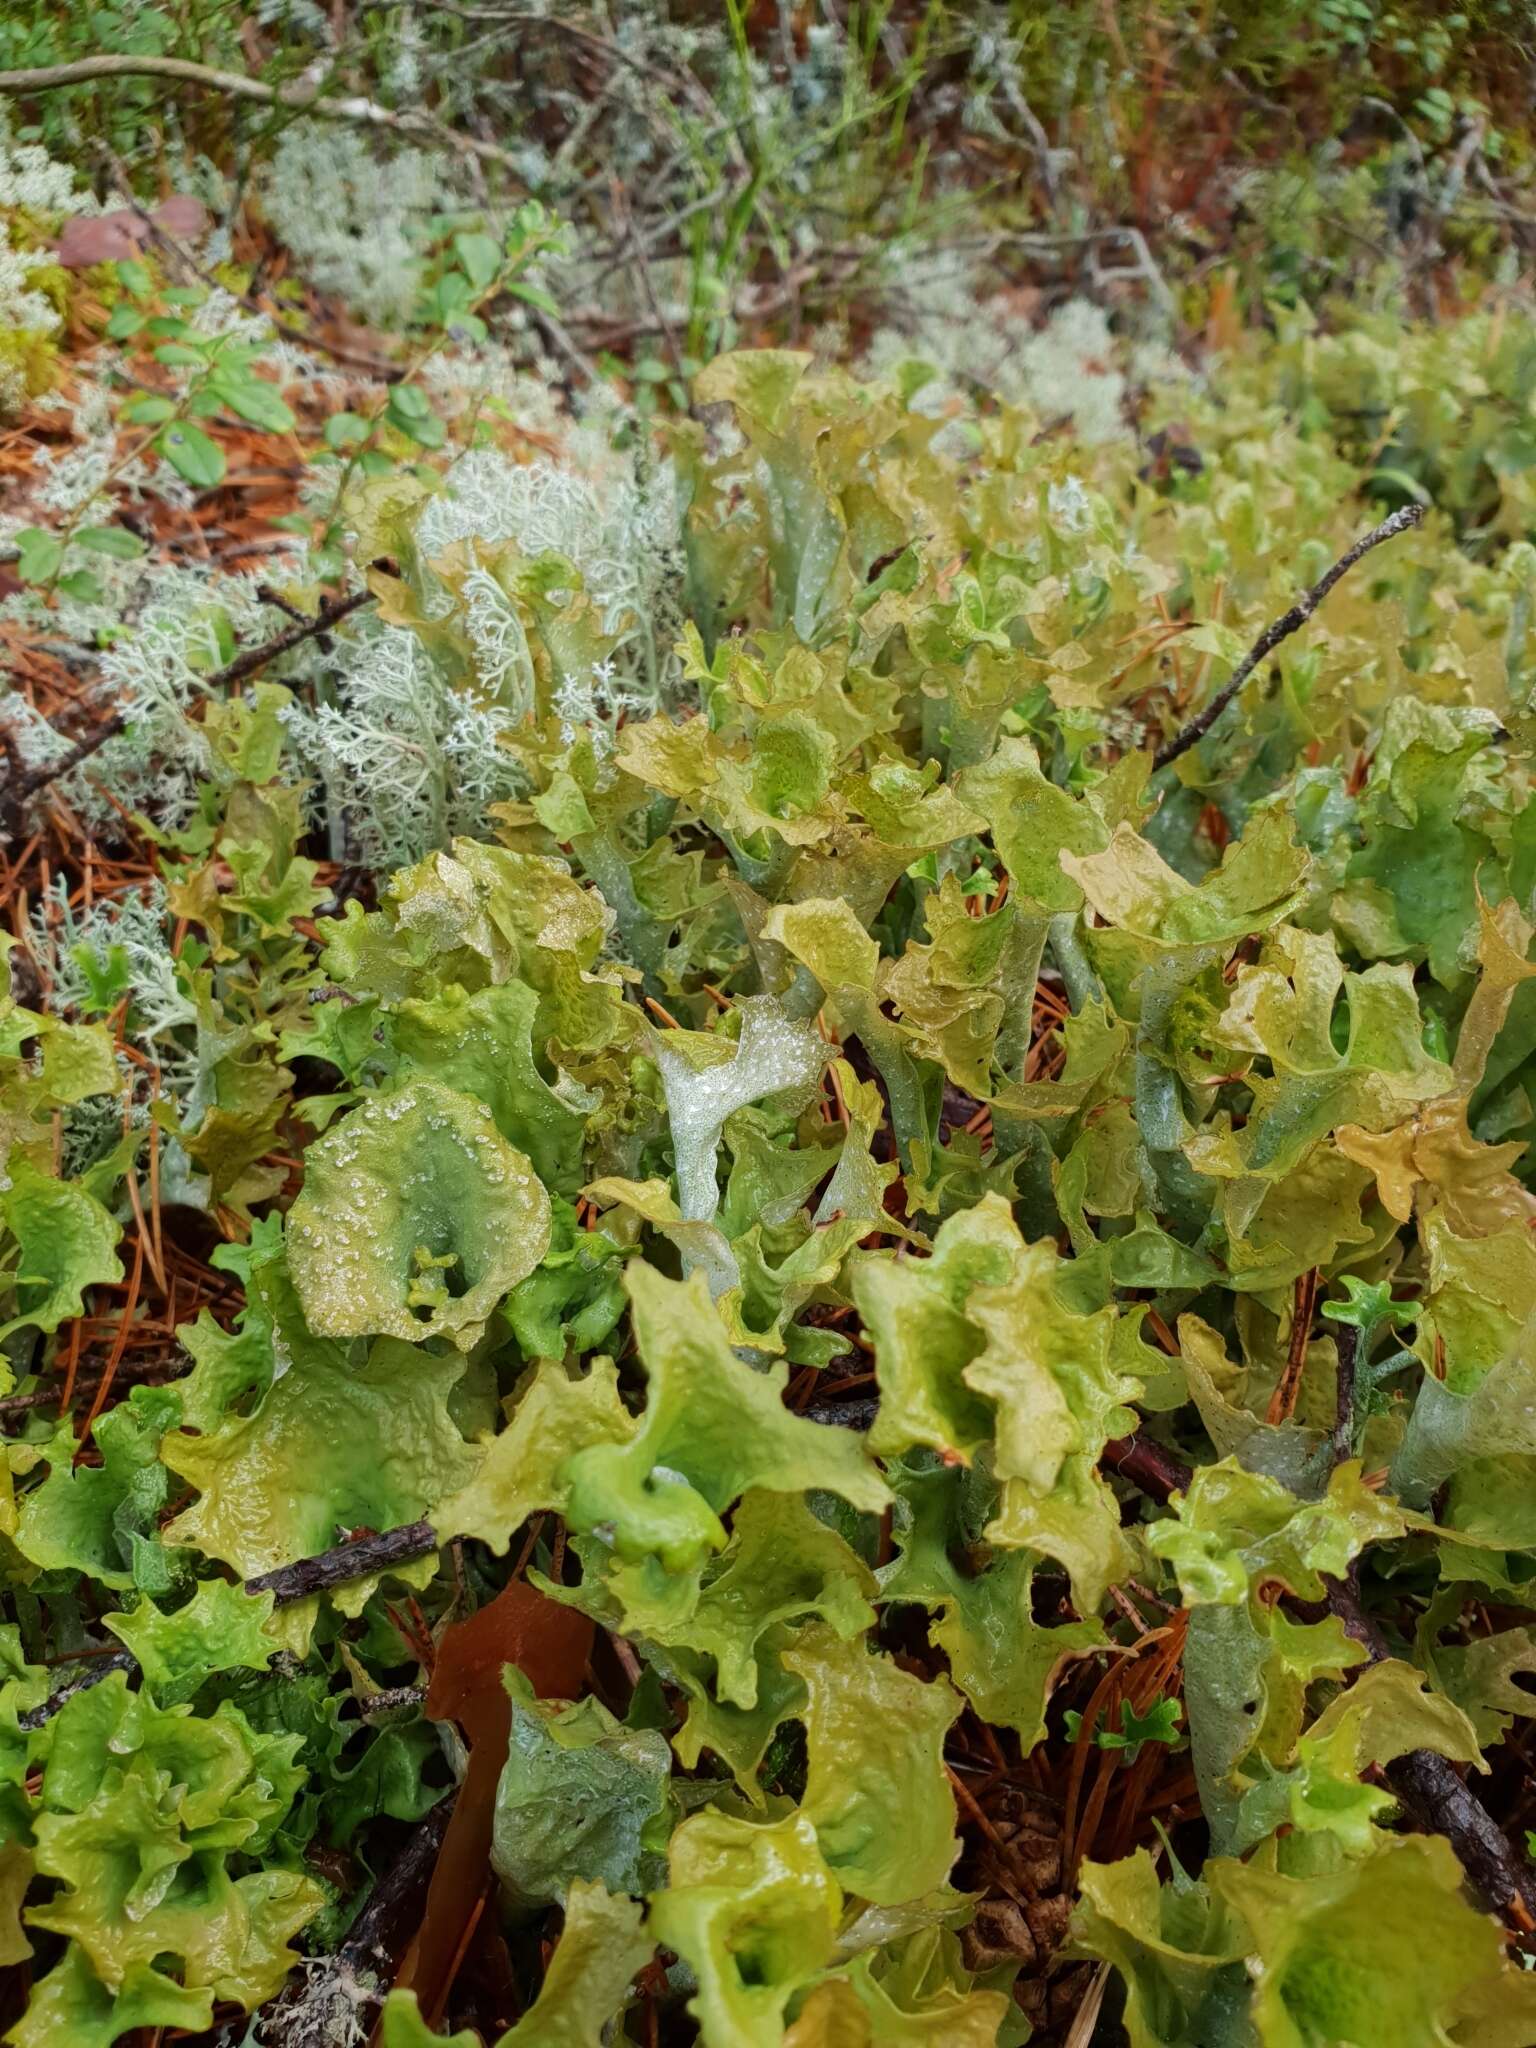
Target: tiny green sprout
(107,977)
(1368,1308)
(1160,1723)
(430,1287)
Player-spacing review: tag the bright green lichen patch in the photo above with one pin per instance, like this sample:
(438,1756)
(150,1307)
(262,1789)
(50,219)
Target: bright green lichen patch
(416,1219)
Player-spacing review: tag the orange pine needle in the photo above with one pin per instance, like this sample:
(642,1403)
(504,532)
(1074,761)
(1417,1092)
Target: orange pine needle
(119,1346)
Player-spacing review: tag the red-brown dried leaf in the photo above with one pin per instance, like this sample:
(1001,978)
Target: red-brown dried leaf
(547,1642)
(101,238)
(181,215)
(550,1645)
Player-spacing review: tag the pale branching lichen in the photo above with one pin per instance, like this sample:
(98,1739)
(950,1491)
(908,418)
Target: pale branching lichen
(36,191)
(354,218)
(620,531)
(404,762)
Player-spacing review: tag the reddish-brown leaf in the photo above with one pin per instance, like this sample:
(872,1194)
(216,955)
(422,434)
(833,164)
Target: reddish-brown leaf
(101,238)
(181,215)
(550,1644)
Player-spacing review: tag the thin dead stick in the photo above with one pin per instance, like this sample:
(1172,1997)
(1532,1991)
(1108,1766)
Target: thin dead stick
(1346,1337)
(330,614)
(236,85)
(288,1583)
(844,1414)
(1437,1798)
(1425,1782)
(1282,629)
(307,1575)
(1282,1402)
(368,1957)
(28,785)
(20,1406)
(1152,1470)
(391,1699)
(93,1674)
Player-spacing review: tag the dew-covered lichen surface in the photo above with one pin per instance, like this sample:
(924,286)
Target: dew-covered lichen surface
(872,1369)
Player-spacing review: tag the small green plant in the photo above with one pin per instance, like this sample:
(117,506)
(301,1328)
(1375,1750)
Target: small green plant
(1160,1723)
(479,268)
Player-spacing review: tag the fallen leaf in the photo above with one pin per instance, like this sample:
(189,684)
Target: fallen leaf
(549,1644)
(101,238)
(181,215)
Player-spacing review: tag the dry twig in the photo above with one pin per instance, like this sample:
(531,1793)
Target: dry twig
(288,1583)
(1282,629)
(301,94)
(1425,1782)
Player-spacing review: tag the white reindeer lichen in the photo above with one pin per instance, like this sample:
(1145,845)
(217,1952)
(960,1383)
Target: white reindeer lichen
(405,762)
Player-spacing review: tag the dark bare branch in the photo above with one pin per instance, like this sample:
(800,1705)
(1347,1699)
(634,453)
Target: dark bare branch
(288,1583)
(1426,1783)
(236,85)
(1347,1343)
(364,1966)
(27,786)
(844,1414)
(1437,1798)
(331,613)
(1282,629)
(90,1674)
(1156,1472)
(355,1560)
